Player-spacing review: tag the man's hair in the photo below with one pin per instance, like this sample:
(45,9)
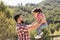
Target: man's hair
(37,10)
(16,17)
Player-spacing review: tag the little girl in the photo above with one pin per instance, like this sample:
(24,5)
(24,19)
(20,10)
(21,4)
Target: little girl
(39,17)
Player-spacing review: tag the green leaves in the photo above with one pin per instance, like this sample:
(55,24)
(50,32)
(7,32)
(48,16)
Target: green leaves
(51,10)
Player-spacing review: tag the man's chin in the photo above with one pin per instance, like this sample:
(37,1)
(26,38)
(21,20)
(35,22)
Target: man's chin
(22,22)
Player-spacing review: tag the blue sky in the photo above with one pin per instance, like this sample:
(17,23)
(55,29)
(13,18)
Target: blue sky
(15,2)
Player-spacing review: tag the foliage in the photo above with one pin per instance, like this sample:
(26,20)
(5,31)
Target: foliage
(50,8)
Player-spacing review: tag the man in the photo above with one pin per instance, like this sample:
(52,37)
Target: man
(22,29)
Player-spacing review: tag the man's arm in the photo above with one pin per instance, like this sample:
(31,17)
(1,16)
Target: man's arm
(34,26)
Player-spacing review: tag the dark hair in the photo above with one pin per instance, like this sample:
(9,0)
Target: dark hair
(16,17)
(37,10)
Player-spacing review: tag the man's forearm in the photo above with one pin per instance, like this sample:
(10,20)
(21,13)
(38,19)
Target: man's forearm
(34,26)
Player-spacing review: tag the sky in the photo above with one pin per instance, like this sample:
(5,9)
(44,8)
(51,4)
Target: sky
(15,2)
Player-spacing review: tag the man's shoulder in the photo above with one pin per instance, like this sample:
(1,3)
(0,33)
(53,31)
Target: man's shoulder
(17,25)
(21,25)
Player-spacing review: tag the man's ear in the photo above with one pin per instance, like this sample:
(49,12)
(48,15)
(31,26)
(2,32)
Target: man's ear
(18,19)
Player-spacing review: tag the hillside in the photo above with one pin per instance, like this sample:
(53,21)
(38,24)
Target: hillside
(50,8)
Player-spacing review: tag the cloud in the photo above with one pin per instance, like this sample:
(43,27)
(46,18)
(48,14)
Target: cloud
(15,2)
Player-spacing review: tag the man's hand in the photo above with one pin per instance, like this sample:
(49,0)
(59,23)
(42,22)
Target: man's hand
(33,27)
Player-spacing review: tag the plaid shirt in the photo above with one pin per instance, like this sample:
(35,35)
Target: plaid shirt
(22,32)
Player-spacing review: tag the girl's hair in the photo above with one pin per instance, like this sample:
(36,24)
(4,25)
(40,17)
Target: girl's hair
(37,10)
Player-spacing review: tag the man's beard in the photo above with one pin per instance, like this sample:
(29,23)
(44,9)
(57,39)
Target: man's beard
(22,22)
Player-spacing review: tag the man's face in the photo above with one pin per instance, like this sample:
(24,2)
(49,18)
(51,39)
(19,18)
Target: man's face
(20,18)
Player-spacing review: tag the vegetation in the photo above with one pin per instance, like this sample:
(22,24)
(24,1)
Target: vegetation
(51,8)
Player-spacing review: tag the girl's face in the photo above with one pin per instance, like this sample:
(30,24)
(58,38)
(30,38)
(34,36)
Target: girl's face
(35,14)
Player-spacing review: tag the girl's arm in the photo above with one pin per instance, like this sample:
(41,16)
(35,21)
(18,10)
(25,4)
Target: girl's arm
(34,26)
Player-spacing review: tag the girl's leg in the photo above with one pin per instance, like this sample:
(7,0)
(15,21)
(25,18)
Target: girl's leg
(38,30)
